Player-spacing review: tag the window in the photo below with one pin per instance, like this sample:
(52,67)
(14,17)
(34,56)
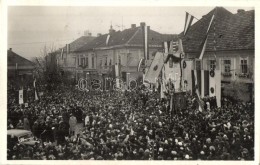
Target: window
(244,66)
(93,62)
(86,64)
(105,61)
(110,62)
(212,64)
(227,66)
(198,65)
(100,64)
(82,62)
(74,61)
(119,60)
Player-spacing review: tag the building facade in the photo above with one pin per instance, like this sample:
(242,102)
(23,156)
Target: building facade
(123,48)
(19,70)
(68,59)
(229,48)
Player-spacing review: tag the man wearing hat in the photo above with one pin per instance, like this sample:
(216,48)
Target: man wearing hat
(72,123)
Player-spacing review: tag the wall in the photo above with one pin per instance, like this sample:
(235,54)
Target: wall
(235,57)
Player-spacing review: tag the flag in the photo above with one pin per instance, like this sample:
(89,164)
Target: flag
(188,21)
(21,97)
(166,47)
(202,80)
(163,82)
(204,43)
(35,90)
(117,75)
(67,49)
(141,62)
(146,30)
(197,82)
(107,40)
(61,54)
(155,68)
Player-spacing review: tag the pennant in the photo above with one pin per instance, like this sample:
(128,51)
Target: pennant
(141,62)
(155,68)
(188,21)
(204,43)
(35,90)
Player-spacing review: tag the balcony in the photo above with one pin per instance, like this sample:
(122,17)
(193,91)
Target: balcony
(226,74)
(83,66)
(243,75)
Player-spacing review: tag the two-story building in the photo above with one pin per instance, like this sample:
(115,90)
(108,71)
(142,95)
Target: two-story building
(124,48)
(67,60)
(230,46)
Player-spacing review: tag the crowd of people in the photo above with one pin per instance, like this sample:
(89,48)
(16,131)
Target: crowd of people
(130,125)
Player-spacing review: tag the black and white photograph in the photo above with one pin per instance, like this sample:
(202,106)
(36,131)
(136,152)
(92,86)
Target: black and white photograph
(153,83)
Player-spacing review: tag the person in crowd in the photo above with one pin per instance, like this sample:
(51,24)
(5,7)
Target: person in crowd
(72,123)
(132,125)
(20,125)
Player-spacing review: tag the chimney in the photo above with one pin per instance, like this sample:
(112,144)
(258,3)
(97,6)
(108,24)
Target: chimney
(87,33)
(10,49)
(99,34)
(133,25)
(240,11)
(142,24)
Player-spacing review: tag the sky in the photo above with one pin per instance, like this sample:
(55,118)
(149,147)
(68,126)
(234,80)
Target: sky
(30,28)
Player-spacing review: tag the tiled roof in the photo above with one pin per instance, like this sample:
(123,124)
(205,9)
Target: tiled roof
(80,42)
(232,31)
(94,43)
(154,38)
(13,58)
(127,37)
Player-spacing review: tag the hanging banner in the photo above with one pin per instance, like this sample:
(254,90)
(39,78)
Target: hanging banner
(20,96)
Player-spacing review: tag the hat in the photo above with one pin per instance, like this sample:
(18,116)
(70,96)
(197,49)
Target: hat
(141,150)
(187,156)
(202,152)
(245,151)
(161,149)
(180,143)
(174,152)
(212,148)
